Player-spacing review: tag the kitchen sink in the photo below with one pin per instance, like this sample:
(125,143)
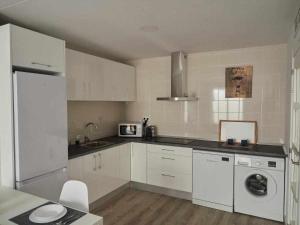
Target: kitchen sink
(95,144)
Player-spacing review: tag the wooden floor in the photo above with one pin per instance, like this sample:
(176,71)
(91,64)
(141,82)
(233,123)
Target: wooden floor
(135,207)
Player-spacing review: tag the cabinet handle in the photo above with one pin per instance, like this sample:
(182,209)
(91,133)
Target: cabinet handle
(167,175)
(95,163)
(167,158)
(168,150)
(100,161)
(243,163)
(211,161)
(41,64)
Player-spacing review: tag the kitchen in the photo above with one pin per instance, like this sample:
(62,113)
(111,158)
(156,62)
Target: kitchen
(207,157)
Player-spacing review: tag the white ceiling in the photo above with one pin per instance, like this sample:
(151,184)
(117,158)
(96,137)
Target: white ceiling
(112,28)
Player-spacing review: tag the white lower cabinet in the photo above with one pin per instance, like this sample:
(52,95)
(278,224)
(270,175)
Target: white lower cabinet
(139,162)
(103,171)
(125,162)
(170,167)
(75,170)
(106,170)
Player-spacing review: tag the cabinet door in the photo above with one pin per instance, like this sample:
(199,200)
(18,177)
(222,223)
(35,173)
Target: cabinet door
(96,79)
(139,162)
(92,176)
(90,166)
(34,50)
(84,169)
(119,81)
(78,80)
(110,162)
(125,152)
(75,169)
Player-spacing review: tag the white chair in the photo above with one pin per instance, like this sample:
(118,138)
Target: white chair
(74,194)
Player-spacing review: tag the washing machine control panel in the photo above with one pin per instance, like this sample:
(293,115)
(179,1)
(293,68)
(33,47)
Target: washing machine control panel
(260,162)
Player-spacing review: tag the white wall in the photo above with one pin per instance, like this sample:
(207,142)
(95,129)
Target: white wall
(206,79)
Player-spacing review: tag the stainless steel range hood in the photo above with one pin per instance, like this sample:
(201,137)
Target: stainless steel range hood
(178,79)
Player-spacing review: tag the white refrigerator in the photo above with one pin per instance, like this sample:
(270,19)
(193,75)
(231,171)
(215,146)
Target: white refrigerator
(41,143)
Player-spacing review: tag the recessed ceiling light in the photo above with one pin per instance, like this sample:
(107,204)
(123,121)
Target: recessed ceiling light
(149,28)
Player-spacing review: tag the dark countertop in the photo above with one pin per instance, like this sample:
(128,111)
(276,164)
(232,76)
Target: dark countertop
(259,150)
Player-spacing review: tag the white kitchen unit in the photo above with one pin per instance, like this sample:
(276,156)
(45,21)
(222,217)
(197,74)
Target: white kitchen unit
(213,179)
(24,50)
(35,50)
(139,162)
(169,167)
(93,78)
(103,171)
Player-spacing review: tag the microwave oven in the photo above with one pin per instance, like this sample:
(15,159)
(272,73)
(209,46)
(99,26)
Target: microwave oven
(131,129)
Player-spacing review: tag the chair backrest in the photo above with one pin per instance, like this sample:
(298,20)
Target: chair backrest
(74,194)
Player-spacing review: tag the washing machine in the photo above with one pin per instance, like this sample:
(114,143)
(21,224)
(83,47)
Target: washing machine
(259,186)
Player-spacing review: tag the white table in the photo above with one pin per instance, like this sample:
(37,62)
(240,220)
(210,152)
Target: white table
(14,203)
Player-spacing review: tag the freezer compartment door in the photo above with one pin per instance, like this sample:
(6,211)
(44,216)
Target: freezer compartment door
(48,186)
(40,112)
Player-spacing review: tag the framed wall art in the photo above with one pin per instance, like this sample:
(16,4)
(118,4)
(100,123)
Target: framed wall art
(238,82)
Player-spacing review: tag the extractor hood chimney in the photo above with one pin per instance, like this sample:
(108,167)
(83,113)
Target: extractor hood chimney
(178,79)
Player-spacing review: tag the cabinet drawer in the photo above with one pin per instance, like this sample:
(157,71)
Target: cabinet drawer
(171,163)
(177,181)
(165,149)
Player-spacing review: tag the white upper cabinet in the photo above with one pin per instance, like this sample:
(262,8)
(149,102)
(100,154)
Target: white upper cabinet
(91,78)
(37,51)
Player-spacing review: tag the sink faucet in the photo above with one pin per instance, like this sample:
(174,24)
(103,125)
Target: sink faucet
(89,126)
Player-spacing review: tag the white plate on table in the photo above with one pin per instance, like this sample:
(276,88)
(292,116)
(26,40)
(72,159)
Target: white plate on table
(47,213)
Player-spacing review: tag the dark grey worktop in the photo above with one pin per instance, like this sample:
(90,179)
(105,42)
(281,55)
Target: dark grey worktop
(259,150)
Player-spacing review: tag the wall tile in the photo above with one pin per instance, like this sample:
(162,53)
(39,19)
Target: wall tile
(206,79)
(106,115)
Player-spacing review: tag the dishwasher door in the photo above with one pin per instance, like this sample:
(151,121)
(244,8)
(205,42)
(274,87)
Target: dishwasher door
(213,179)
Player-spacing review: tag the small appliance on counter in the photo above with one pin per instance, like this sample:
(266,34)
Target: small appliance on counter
(145,124)
(130,129)
(151,131)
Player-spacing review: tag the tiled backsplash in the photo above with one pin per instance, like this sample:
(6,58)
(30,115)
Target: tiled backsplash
(206,79)
(106,115)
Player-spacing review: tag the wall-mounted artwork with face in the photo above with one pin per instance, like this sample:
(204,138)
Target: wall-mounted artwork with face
(238,82)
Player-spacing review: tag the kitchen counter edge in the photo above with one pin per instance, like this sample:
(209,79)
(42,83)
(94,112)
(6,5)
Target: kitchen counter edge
(200,145)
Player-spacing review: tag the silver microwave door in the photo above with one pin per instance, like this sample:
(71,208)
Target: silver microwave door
(128,130)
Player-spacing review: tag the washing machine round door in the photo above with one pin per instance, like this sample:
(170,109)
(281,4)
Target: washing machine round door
(257,184)
(261,185)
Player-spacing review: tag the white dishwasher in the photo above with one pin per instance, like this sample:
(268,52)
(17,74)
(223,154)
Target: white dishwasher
(213,179)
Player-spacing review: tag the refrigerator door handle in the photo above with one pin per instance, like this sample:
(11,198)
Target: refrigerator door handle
(31,180)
